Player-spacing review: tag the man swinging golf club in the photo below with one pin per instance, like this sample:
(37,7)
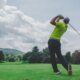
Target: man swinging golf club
(54,44)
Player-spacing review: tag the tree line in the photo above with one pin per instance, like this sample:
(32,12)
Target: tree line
(36,56)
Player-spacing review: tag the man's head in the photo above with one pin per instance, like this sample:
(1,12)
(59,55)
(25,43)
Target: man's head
(66,20)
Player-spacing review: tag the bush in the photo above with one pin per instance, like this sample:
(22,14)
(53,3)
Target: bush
(11,60)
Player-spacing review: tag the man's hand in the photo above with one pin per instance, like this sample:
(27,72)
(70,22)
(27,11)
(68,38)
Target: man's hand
(56,19)
(60,16)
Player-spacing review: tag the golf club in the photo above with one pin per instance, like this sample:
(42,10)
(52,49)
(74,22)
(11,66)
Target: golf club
(74,29)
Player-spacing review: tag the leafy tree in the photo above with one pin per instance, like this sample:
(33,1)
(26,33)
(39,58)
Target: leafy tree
(76,57)
(68,56)
(45,56)
(35,56)
(18,58)
(7,57)
(1,56)
(26,56)
(12,58)
(35,49)
(46,51)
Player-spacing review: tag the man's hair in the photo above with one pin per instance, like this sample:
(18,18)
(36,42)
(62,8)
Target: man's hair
(66,20)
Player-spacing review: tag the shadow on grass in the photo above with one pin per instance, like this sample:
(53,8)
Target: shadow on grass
(26,79)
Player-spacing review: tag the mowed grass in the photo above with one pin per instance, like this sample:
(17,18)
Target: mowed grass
(19,71)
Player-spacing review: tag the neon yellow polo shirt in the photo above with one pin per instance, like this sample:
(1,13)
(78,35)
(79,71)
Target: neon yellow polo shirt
(59,30)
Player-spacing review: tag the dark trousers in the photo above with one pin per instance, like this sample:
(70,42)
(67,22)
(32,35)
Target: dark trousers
(55,49)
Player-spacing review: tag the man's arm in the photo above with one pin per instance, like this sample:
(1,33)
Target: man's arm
(56,19)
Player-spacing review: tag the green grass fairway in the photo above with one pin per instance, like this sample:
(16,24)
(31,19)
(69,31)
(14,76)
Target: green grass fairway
(18,71)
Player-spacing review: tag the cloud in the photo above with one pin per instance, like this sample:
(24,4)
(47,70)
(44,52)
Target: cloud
(22,32)
(2,3)
(70,41)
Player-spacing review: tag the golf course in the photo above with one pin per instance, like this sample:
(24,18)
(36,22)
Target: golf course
(20,71)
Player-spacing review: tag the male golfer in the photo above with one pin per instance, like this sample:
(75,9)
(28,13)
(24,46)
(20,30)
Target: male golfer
(54,44)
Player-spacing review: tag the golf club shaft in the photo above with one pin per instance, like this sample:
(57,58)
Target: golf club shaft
(74,29)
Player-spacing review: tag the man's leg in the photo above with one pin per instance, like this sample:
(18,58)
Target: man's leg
(61,58)
(52,56)
(64,62)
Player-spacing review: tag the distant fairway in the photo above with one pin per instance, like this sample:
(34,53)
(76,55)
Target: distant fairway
(18,71)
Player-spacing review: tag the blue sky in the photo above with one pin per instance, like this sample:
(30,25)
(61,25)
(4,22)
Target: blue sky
(25,23)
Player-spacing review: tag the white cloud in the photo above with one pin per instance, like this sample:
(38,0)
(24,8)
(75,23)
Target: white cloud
(22,32)
(70,41)
(2,3)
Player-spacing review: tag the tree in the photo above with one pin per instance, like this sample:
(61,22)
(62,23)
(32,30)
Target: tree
(46,51)
(1,56)
(18,58)
(26,56)
(35,49)
(12,58)
(7,57)
(35,56)
(45,56)
(76,57)
(68,56)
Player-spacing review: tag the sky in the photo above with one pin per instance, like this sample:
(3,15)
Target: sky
(25,23)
